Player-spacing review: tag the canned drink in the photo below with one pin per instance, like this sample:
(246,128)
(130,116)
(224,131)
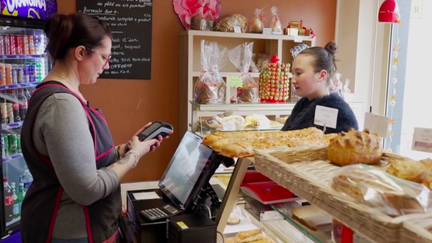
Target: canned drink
(8,73)
(14,75)
(12,44)
(20,75)
(26,74)
(5,141)
(19,143)
(2,74)
(31,45)
(19,44)
(7,44)
(2,45)
(25,45)
(39,72)
(31,68)
(4,113)
(13,144)
(3,146)
(10,113)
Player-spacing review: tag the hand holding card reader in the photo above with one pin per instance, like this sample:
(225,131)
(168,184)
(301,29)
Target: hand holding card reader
(155,129)
(163,212)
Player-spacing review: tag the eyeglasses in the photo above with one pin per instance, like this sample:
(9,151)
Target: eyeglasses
(106,59)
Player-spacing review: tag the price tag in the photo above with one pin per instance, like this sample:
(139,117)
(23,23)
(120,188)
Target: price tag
(237,29)
(267,31)
(234,81)
(376,124)
(229,126)
(326,116)
(298,39)
(422,140)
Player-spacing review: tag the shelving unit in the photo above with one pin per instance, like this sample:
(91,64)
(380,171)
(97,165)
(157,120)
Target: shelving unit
(190,70)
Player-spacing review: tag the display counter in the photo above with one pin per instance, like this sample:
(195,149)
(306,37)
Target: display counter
(277,230)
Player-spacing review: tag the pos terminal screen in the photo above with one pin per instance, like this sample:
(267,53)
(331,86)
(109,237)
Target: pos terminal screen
(185,168)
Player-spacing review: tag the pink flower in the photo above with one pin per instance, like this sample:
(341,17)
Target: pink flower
(185,9)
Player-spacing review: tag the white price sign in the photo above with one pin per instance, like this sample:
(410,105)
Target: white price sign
(422,140)
(376,124)
(237,29)
(326,116)
(229,126)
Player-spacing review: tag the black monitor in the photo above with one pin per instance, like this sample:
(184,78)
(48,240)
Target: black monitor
(189,171)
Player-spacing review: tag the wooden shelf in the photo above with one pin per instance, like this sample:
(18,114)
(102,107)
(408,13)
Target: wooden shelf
(226,74)
(190,70)
(298,39)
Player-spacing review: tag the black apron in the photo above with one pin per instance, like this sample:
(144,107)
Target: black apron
(40,205)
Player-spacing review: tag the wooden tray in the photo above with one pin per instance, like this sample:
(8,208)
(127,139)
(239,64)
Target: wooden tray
(310,180)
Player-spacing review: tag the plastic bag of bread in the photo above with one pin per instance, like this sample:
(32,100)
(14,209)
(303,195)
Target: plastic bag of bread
(210,87)
(227,24)
(257,23)
(381,191)
(241,57)
(275,25)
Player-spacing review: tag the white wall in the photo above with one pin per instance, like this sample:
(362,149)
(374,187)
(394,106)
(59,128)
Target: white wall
(363,52)
(418,83)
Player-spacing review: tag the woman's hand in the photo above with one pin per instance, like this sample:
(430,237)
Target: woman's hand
(144,147)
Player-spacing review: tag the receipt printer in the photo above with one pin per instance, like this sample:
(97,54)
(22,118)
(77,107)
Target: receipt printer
(191,228)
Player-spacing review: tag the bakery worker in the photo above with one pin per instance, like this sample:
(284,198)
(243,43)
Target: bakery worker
(312,71)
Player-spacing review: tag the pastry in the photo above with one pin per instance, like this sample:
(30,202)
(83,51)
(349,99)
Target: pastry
(355,147)
(233,219)
(237,150)
(249,236)
(230,240)
(408,169)
(242,144)
(427,163)
(265,240)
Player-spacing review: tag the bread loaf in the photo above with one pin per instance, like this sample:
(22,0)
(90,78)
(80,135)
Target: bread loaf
(355,147)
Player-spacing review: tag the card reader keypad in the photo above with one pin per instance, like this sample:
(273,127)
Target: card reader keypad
(154,214)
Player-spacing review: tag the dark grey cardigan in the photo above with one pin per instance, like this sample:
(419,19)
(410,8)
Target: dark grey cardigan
(303,114)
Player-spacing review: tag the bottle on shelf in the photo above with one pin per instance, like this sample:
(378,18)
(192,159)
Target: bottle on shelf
(21,195)
(27,94)
(13,144)
(2,52)
(26,178)
(15,208)
(5,145)
(4,109)
(31,45)
(15,107)
(8,200)
(23,104)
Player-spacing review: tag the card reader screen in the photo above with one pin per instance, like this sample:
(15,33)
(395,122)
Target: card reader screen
(186,167)
(150,129)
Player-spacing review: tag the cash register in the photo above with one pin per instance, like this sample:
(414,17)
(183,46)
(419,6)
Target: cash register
(183,189)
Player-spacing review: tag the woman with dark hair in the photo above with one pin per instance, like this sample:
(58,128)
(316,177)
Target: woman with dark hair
(312,72)
(75,195)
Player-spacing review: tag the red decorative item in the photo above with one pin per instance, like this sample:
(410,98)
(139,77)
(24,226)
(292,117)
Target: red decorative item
(274,59)
(185,9)
(389,12)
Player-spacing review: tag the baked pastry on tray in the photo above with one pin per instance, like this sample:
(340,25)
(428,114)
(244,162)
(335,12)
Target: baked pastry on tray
(242,144)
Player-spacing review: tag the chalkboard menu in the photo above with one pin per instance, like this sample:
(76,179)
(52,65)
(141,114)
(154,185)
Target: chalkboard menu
(131,24)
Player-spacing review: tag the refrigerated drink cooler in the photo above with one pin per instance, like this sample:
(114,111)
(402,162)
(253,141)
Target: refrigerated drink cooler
(23,65)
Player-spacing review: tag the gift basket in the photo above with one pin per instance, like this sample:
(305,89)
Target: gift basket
(241,57)
(210,87)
